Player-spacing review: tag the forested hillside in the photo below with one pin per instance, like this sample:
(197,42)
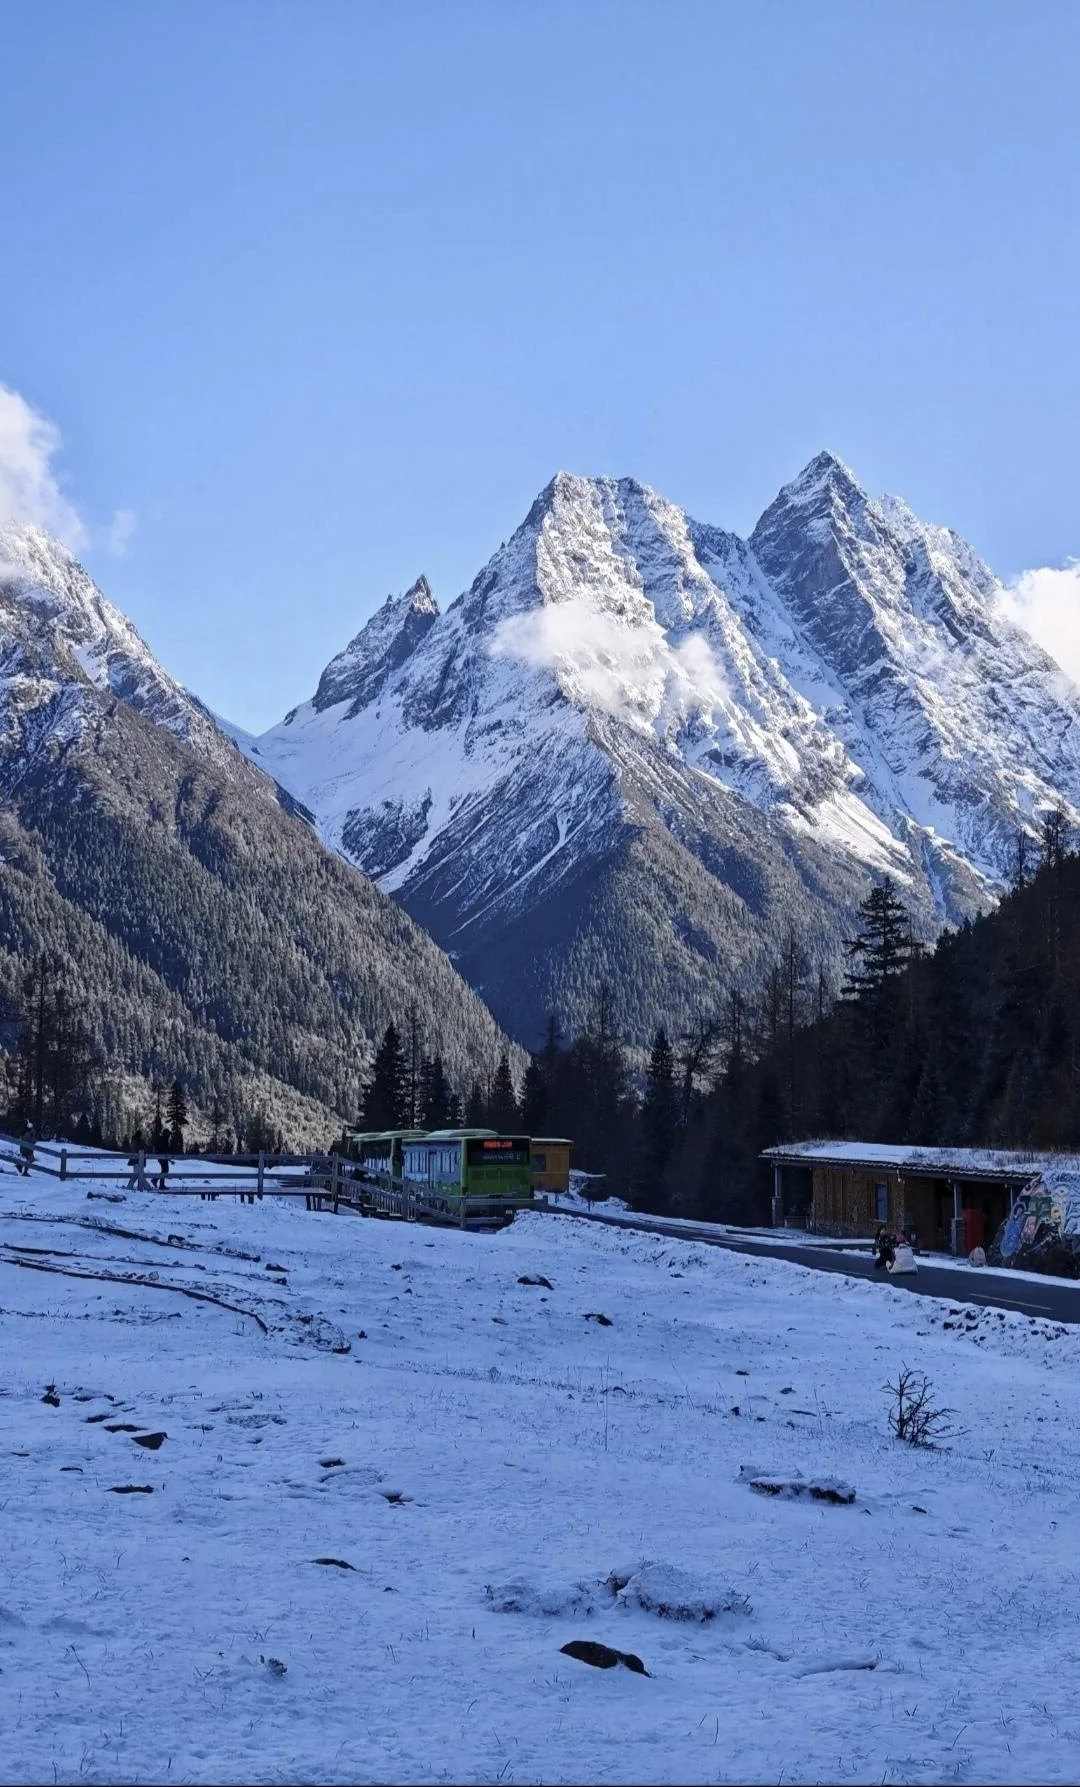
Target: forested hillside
(204,933)
(975,1043)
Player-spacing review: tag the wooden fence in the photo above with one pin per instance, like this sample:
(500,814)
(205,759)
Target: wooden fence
(240,1175)
(321,1179)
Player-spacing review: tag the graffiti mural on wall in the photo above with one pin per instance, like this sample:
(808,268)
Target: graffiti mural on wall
(1043,1228)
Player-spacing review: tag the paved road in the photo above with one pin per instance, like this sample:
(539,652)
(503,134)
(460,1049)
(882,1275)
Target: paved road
(1032,1296)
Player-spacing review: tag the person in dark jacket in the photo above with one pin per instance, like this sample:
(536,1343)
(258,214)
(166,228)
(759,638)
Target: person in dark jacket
(884,1251)
(26,1152)
(163,1164)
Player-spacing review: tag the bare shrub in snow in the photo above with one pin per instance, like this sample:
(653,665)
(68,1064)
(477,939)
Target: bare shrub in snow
(914,1415)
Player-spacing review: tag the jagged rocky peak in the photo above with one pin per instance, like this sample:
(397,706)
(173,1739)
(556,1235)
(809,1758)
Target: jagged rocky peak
(62,633)
(825,495)
(611,546)
(45,587)
(387,640)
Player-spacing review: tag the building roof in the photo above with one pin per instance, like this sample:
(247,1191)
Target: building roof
(934,1163)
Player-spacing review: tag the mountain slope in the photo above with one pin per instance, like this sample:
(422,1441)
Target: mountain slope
(209,931)
(639,749)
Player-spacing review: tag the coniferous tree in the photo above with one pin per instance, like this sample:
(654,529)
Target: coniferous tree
(534,1099)
(596,1105)
(55,1062)
(435,1098)
(658,1125)
(413,1056)
(476,1107)
(177,1112)
(386,1099)
(260,1135)
(503,1114)
(881,949)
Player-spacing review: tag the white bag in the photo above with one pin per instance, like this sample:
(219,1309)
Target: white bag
(903,1260)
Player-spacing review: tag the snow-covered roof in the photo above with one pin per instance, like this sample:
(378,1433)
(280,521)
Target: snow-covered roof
(963,1163)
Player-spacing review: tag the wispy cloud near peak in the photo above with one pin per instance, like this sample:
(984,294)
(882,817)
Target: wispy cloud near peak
(30,493)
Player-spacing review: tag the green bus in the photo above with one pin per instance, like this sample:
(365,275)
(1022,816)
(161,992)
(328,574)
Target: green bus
(444,1169)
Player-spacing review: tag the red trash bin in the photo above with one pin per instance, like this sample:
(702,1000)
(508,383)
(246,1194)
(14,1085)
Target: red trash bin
(973,1229)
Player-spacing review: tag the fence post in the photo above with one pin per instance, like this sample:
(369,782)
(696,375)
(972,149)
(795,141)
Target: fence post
(141,1181)
(334,1180)
(262,1168)
(63,1163)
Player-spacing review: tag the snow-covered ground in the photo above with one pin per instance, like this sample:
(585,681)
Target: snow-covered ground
(493,1464)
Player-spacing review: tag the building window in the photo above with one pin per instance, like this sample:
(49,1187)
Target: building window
(881,1203)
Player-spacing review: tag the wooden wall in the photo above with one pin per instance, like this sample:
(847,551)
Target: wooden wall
(844,1199)
(554,1175)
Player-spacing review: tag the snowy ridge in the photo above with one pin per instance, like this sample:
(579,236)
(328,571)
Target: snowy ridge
(60,632)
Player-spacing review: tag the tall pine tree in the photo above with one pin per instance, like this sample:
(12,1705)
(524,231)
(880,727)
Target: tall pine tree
(386,1099)
(658,1125)
(178,1115)
(503,1114)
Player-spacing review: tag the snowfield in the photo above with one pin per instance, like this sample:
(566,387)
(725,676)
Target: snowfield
(490,1472)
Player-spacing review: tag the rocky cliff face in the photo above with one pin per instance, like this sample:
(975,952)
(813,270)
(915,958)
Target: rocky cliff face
(640,749)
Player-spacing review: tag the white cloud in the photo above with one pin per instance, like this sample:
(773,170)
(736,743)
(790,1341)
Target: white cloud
(1046,603)
(625,668)
(119,532)
(30,492)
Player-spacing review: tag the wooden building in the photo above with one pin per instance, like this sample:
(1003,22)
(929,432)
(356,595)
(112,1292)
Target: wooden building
(954,1198)
(551,1162)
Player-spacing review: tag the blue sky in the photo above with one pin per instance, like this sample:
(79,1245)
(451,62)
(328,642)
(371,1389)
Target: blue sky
(320,296)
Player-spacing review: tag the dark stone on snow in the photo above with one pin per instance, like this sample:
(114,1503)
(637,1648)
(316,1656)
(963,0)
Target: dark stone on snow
(604,1320)
(131,1489)
(338,1562)
(122,1427)
(601,1656)
(152,1441)
(544,1283)
(51,1397)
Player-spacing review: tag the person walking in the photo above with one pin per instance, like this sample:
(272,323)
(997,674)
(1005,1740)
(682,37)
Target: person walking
(163,1164)
(26,1152)
(137,1179)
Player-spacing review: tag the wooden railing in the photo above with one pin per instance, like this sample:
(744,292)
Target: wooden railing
(320,1178)
(248,1175)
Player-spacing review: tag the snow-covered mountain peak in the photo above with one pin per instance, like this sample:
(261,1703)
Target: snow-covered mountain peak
(380,648)
(59,633)
(825,483)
